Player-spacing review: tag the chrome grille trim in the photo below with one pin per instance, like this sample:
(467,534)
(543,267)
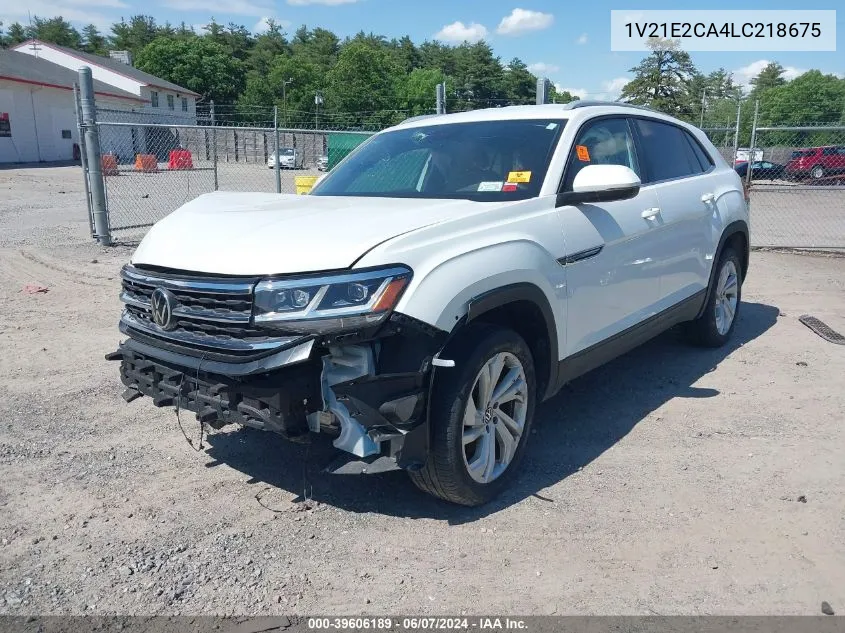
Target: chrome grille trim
(210,314)
(197,339)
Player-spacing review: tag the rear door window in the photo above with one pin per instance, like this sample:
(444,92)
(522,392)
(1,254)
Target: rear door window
(667,152)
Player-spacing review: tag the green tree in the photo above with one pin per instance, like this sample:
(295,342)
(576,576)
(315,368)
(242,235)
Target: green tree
(93,41)
(364,82)
(134,35)
(438,55)
(15,34)
(520,84)
(266,48)
(198,64)
(417,91)
(478,77)
(661,79)
(320,47)
(564,96)
(770,77)
(56,30)
(808,99)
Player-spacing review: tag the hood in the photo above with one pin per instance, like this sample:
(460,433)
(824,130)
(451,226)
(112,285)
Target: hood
(233,233)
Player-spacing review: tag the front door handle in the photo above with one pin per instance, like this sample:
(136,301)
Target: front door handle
(650,214)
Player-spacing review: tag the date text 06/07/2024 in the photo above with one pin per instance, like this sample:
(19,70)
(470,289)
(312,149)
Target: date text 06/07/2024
(419,623)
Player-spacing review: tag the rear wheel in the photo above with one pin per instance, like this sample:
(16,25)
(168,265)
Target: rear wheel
(817,172)
(481,415)
(715,326)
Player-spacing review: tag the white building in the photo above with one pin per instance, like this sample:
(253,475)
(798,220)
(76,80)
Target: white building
(36,105)
(164,101)
(37,113)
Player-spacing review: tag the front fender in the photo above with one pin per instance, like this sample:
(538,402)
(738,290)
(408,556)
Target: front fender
(442,295)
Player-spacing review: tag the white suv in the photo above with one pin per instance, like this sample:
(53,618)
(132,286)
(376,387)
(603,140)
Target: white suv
(444,278)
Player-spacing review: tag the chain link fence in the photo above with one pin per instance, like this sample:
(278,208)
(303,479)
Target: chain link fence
(151,165)
(152,168)
(797,178)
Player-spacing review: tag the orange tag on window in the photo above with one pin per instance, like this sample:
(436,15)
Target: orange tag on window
(583,153)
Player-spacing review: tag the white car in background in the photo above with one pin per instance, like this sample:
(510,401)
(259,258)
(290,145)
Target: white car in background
(438,284)
(289,158)
(323,163)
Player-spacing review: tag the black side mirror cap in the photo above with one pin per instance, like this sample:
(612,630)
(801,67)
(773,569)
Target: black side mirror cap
(609,195)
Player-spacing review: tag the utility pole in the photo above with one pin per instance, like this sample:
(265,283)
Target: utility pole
(96,183)
(318,100)
(285,98)
(441,98)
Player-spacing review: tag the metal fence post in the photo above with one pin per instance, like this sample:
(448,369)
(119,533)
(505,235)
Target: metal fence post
(441,98)
(753,147)
(736,131)
(276,150)
(92,147)
(213,143)
(83,159)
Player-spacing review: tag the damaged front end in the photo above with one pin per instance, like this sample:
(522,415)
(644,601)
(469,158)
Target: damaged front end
(368,387)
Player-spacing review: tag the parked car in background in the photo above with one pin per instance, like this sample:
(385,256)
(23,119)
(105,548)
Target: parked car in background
(816,162)
(744,154)
(761,170)
(323,163)
(289,158)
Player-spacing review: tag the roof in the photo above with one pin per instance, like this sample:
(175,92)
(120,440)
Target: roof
(115,66)
(23,68)
(526,112)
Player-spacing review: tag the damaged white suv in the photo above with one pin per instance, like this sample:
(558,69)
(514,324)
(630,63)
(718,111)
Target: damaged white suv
(444,278)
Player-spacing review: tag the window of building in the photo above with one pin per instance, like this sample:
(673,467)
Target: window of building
(153,98)
(170,105)
(184,104)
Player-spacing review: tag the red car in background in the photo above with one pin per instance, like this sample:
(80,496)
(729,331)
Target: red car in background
(816,162)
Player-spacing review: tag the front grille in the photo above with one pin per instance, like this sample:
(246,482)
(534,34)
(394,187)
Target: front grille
(209,314)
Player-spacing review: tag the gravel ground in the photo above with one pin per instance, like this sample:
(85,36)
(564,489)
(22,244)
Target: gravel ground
(672,481)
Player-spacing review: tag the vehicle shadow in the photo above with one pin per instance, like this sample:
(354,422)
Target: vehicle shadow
(572,429)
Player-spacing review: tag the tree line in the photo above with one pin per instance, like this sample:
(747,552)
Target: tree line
(370,80)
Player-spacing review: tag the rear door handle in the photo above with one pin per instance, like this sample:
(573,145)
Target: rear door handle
(650,214)
(707,198)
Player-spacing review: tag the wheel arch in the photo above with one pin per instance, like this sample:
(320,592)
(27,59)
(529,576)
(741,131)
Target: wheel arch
(524,308)
(735,235)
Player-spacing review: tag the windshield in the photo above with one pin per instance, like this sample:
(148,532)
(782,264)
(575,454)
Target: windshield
(285,151)
(802,153)
(484,161)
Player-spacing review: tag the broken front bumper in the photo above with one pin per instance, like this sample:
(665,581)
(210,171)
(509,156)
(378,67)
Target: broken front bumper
(381,413)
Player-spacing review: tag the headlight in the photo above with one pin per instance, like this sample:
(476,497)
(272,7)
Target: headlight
(325,304)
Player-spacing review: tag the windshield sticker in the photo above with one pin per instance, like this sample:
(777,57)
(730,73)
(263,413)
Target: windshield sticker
(490,186)
(583,153)
(509,186)
(551,126)
(519,176)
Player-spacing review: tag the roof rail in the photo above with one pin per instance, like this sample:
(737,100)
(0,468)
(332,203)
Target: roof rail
(417,118)
(583,103)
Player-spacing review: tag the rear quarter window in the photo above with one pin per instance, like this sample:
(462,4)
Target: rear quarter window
(669,152)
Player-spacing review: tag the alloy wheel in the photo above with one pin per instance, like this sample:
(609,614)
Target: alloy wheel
(727,296)
(494,418)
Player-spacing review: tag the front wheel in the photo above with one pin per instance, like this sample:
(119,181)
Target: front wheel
(481,415)
(817,172)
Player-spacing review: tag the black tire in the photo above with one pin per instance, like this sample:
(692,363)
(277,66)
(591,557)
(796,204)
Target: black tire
(703,330)
(445,473)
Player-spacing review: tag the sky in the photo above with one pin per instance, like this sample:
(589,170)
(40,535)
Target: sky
(565,40)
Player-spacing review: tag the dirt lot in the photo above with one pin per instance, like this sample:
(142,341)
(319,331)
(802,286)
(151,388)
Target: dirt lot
(672,481)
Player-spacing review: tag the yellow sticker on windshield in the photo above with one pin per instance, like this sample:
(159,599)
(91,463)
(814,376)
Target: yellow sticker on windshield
(519,176)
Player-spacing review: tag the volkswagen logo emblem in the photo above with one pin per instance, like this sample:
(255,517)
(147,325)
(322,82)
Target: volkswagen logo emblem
(162,303)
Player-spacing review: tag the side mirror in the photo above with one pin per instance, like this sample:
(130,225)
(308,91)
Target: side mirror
(601,183)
